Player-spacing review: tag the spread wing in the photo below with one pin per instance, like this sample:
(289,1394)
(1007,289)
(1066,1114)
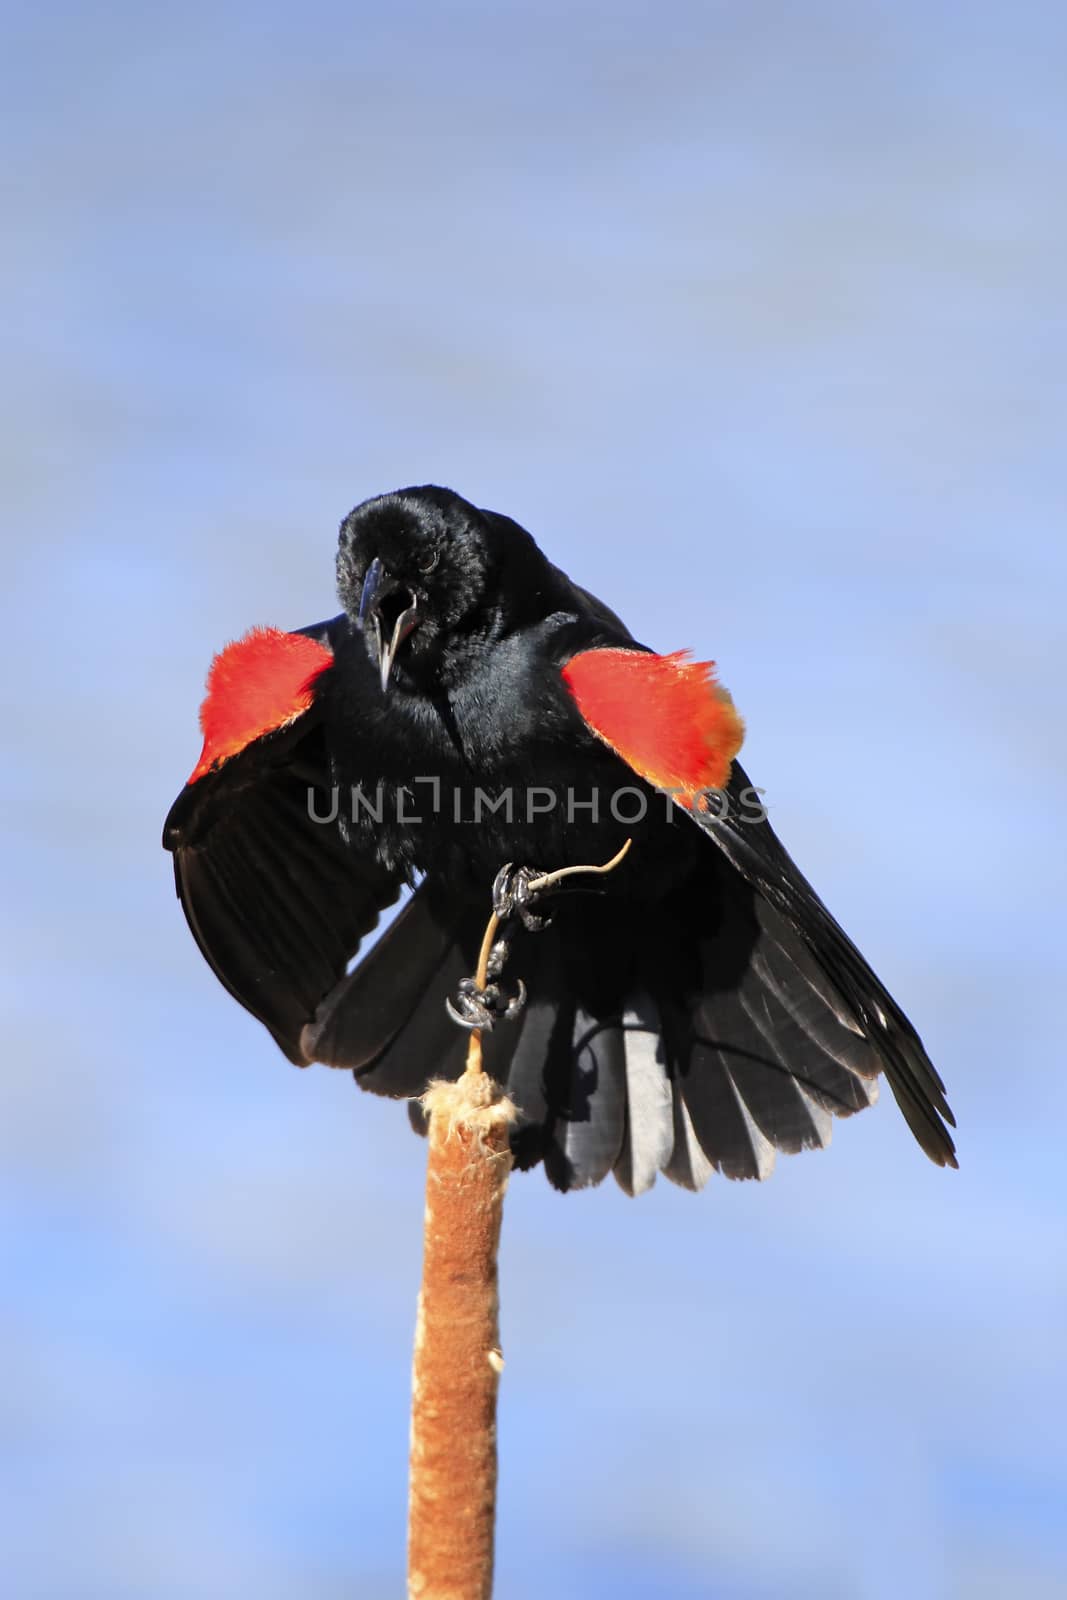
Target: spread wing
(801,989)
(841,974)
(276,900)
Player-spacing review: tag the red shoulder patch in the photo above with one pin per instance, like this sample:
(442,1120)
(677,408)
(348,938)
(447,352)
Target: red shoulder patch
(255,686)
(664,715)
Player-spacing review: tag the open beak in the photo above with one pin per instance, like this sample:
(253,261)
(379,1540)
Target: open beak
(382,603)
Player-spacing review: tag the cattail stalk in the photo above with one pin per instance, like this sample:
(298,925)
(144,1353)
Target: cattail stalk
(452,1489)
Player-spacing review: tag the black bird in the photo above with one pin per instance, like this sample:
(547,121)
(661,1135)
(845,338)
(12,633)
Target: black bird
(471,707)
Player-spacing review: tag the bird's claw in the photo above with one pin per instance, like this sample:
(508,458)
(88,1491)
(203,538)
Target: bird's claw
(482,1008)
(513,897)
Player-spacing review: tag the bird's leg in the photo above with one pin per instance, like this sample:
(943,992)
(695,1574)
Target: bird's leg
(514,891)
(480,1001)
(481,1005)
(476,1007)
(481,1008)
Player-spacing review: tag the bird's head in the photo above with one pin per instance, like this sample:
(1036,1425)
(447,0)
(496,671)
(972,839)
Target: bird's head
(420,571)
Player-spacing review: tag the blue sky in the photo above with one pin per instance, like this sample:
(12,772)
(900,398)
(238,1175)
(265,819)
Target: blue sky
(754,316)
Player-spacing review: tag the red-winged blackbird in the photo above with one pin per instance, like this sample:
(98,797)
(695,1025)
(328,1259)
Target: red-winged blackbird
(472,707)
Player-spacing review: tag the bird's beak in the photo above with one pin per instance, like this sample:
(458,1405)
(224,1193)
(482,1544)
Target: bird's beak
(378,587)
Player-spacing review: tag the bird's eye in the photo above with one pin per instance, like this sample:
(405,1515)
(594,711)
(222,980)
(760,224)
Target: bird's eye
(429,560)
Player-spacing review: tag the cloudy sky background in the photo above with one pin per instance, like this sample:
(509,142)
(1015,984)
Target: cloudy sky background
(754,315)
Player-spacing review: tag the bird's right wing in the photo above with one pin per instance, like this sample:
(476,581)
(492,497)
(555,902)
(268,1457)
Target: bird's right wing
(670,722)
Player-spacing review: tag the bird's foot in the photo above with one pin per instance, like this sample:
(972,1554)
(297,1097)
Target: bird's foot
(474,1007)
(481,1008)
(513,896)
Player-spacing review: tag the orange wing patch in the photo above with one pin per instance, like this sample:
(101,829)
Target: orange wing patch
(255,686)
(664,715)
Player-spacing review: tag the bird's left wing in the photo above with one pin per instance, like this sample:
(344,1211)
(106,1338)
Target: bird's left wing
(275,898)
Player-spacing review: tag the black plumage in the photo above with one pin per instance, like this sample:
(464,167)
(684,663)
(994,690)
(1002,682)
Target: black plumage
(700,1010)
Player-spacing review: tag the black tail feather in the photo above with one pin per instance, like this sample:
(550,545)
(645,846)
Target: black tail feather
(708,1033)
